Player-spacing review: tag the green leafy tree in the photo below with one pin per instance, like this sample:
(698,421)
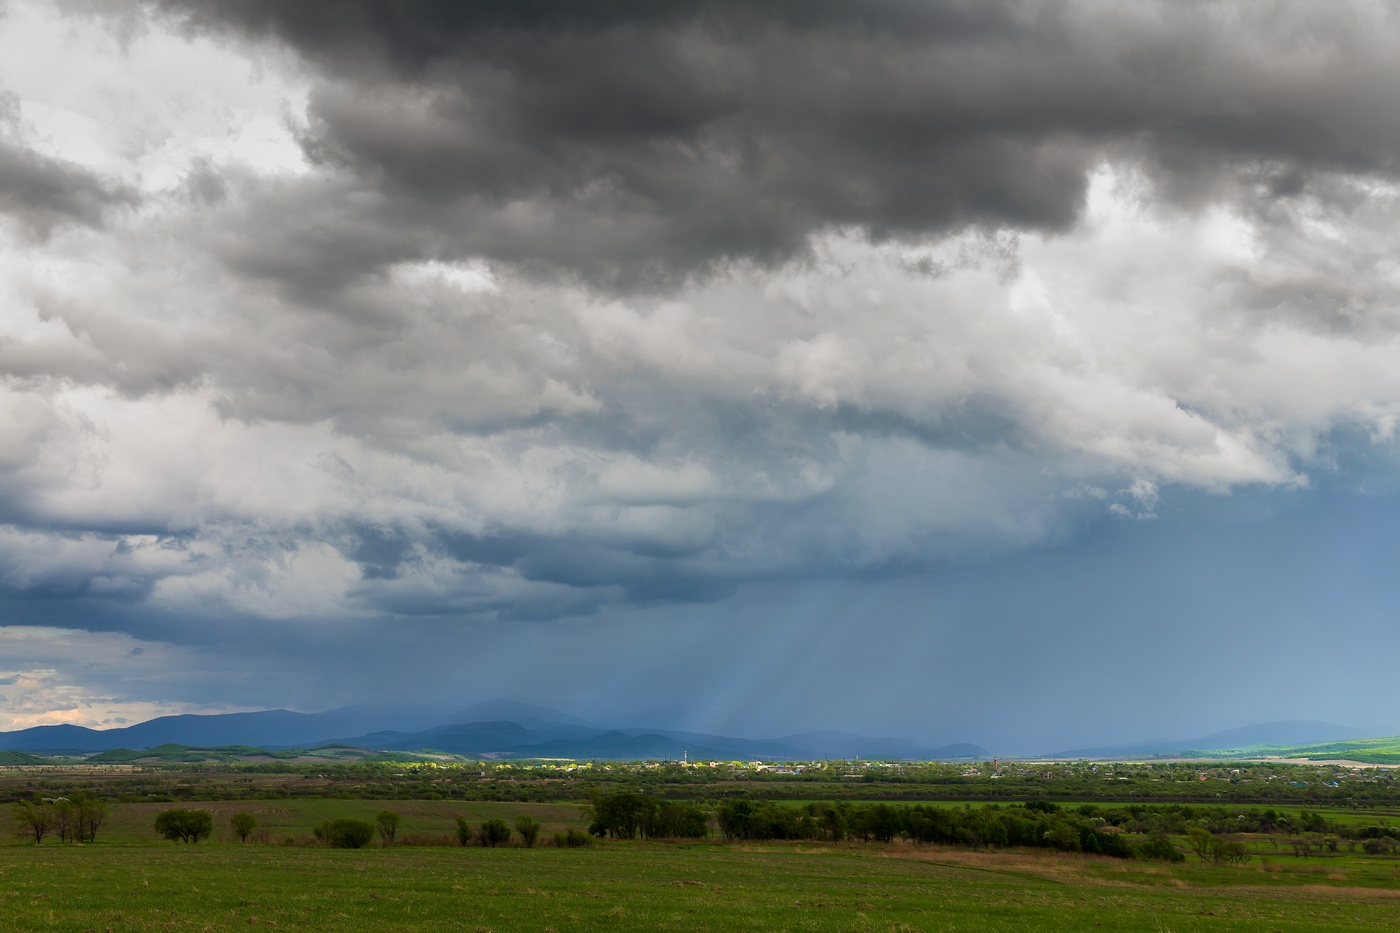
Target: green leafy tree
(32,818)
(617,815)
(243,824)
(1212,848)
(180,825)
(495,832)
(90,812)
(880,822)
(388,822)
(833,822)
(1234,852)
(1198,840)
(1063,834)
(1161,849)
(65,818)
(528,828)
(464,832)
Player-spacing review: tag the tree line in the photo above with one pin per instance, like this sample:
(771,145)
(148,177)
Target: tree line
(1037,824)
(75,818)
(1115,830)
(190,826)
(627,816)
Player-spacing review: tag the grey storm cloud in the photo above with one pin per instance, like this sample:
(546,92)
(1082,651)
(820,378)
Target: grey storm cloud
(40,192)
(536,308)
(638,142)
(954,336)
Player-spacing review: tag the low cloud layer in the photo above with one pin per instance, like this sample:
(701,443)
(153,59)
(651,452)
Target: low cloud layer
(327,317)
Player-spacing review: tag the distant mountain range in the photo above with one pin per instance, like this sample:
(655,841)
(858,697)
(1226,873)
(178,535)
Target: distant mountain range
(506,738)
(496,728)
(277,728)
(1284,734)
(509,729)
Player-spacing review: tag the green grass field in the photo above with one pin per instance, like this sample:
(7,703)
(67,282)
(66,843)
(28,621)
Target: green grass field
(1384,750)
(131,880)
(699,886)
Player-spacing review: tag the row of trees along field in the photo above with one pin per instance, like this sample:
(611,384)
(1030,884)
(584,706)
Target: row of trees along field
(76,818)
(190,826)
(1086,828)
(1036,824)
(1129,831)
(629,816)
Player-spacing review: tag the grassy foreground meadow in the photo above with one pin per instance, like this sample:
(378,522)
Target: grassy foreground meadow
(131,879)
(660,886)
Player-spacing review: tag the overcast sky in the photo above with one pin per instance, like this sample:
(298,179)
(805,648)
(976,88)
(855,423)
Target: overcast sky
(1018,373)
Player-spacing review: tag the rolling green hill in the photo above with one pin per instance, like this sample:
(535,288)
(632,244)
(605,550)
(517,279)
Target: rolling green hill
(172,753)
(1380,751)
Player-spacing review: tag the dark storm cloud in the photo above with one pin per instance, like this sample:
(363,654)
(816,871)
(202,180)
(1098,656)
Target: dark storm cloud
(41,193)
(410,34)
(637,141)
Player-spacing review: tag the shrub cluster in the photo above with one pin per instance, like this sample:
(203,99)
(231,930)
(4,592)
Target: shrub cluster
(345,833)
(573,839)
(627,816)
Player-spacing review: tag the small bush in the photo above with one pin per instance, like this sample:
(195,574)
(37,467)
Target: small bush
(464,832)
(1160,848)
(495,832)
(573,839)
(345,833)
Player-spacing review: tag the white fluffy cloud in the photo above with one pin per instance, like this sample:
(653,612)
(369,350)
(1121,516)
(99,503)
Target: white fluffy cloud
(94,679)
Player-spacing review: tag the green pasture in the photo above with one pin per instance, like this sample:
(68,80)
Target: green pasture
(1382,750)
(653,886)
